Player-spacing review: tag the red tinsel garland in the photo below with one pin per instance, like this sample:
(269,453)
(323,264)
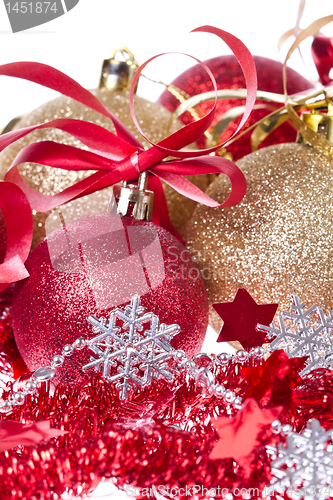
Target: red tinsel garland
(162,436)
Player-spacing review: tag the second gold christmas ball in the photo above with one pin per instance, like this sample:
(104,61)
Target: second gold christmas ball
(278,240)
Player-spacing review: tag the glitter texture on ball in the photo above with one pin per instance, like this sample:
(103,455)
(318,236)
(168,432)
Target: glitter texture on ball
(278,240)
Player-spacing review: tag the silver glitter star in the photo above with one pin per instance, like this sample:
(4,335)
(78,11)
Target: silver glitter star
(304,332)
(304,464)
(138,353)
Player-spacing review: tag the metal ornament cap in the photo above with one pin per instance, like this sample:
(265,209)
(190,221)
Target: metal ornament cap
(133,200)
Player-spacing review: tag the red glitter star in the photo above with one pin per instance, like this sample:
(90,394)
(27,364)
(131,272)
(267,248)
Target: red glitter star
(242,434)
(272,382)
(15,433)
(241,318)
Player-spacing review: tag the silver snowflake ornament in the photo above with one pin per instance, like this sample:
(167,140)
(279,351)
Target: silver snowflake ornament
(303,465)
(303,332)
(131,347)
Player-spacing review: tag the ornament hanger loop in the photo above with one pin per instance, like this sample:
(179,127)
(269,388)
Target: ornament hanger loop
(117,72)
(127,55)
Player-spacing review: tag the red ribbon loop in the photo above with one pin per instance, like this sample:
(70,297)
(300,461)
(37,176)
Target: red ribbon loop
(18,219)
(322,53)
(114,157)
(194,131)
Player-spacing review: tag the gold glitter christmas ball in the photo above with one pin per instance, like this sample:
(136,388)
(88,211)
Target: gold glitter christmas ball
(279,239)
(153,118)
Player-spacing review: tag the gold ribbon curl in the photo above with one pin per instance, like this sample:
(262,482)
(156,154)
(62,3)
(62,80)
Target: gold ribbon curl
(292,104)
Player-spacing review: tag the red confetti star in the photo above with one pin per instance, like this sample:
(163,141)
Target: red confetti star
(15,433)
(241,317)
(272,383)
(242,434)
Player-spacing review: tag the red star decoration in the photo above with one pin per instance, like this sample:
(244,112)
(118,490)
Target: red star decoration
(241,317)
(15,433)
(242,434)
(272,382)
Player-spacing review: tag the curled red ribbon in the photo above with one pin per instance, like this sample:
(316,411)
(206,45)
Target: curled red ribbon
(122,157)
(18,219)
(322,53)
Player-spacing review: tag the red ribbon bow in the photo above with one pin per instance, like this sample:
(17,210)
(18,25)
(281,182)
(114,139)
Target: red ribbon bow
(114,157)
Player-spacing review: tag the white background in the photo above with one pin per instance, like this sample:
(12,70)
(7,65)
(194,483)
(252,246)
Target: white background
(77,43)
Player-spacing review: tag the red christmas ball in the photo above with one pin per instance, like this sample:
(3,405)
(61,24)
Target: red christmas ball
(90,267)
(228,75)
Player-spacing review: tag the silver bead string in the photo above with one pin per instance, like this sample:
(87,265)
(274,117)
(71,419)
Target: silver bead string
(41,375)
(204,377)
